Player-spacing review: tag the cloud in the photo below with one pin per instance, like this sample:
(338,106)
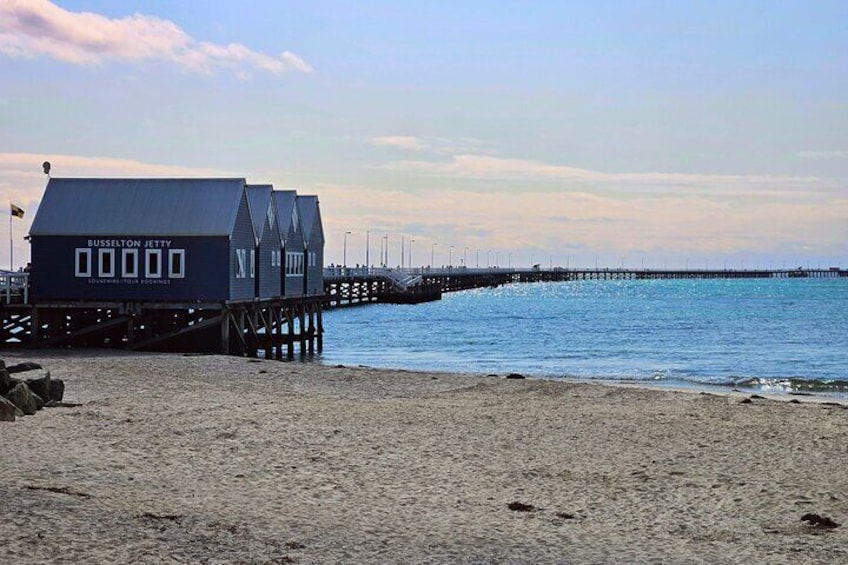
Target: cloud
(30,28)
(22,179)
(432,145)
(22,182)
(400,141)
(559,224)
(837,154)
(492,168)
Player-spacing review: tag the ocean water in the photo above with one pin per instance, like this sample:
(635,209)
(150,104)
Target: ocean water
(766,334)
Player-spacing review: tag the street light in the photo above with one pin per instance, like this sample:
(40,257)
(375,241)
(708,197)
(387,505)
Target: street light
(433,255)
(411,241)
(367,249)
(344,253)
(465,257)
(450,256)
(478,259)
(487,258)
(386,262)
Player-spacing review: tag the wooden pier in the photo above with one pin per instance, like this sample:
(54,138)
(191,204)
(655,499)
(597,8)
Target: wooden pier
(353,287)
(274,329)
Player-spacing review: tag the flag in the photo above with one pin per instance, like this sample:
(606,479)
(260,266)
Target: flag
(17,211)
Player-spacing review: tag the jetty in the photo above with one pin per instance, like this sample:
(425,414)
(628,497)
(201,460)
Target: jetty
(356,286)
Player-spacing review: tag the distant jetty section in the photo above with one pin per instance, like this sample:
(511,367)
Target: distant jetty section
(347,286)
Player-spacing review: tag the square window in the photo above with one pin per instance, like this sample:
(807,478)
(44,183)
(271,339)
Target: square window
(129,263)
(153,263)
(82,262)
(176,263)
(106,259)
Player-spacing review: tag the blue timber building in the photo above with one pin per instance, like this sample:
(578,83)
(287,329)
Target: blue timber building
(211,253)
(313,243)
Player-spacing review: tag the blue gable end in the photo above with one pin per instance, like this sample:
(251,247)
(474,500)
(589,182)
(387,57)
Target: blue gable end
(243,255)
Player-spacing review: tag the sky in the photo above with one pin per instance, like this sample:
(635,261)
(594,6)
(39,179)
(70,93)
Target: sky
(614,133)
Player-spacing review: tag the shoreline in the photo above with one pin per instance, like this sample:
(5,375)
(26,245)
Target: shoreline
(174,458)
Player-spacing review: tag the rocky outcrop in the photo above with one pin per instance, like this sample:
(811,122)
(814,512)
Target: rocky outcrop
(8,411)
(40,385)
(22,397)
(19,396)
(23,367)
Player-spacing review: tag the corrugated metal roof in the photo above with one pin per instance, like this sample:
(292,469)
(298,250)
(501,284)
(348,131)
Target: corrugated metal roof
(259,198)
(148,207)
(285,203)
(308,208)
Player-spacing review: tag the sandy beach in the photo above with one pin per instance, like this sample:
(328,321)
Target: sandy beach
(212,459)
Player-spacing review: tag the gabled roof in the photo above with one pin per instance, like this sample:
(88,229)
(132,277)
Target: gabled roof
(285,205)
(309,216)
(145,207)
(259,198)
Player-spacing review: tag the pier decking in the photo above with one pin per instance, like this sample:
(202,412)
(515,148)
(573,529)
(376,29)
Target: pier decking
(356,286)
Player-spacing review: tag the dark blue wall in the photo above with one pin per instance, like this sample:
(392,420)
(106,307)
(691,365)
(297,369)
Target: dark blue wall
(242,238)
(269,275)
(53,270)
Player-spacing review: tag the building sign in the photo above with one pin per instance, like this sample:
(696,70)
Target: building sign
(129,261)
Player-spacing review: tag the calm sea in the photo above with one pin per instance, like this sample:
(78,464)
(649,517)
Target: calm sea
(768,334)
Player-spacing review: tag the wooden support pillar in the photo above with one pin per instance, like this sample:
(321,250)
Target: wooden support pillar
(267,321)
(130,330)
(34,326)
(302,329)
(289,333)
(312,329)
(320,336)
(225,331)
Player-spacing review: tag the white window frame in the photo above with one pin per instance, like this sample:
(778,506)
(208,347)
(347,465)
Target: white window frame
(252,263)
(148,272)
(241,259)
(82,252)
(125,253)
(176,273)
(101,256)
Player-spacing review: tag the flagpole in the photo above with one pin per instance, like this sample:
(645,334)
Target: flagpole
(11,249)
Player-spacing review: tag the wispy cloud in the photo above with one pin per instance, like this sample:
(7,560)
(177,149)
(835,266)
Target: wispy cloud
(836,154)
(488,167)
(401,142)
(22,178)
(30,28)
(433,145)
(552,223)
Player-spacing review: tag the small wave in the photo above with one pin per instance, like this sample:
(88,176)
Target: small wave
(790,385)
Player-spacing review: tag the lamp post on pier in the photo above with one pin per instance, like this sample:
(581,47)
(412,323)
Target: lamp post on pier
(487,258)
(433,255)
(386,247)
(367,249)
(411,241)
(344,250)
(465,257)
(478,259)
(450,257)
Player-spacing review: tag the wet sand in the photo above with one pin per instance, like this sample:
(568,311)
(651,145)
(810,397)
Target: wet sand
(212,459)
